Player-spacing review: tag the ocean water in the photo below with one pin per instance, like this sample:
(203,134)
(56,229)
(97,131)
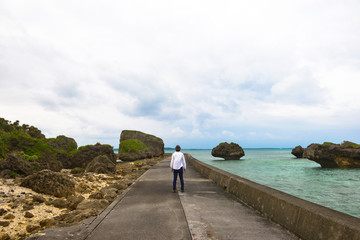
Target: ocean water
(338,189)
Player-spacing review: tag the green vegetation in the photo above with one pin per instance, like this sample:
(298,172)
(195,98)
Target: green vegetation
(13,175)
(132,145)
(350,144)
(138,164)
(27,141)
(28,157)
(327,143)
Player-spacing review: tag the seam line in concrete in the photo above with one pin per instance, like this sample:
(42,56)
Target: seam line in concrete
(187,222)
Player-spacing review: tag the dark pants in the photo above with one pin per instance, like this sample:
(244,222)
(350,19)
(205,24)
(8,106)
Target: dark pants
(180,172)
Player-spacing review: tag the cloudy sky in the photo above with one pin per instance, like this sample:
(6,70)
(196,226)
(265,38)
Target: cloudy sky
(260,73)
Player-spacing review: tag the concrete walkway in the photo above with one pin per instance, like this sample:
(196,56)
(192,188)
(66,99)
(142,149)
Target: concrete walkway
(149,210)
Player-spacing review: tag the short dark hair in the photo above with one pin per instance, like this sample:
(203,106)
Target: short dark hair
(177,148)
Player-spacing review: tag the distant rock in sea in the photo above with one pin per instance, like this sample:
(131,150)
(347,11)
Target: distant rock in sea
(298,151)
(330,155)
(228,151)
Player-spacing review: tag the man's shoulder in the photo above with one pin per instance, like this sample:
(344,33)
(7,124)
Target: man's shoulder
(177,153)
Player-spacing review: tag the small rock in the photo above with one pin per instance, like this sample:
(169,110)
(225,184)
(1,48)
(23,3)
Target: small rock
(2,211)
(61,203)
(93,203)
(28,207)
(74,201)
(97,195)
(109,193)
(47,223)
(119,185)
(4,223)
(9,216)
(28,215)
(32,228)
(39,198)
(4,236)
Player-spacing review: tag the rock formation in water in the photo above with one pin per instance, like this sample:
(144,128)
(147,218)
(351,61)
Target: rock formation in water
(298,151)
(135,145)
(330,155)
(228,151)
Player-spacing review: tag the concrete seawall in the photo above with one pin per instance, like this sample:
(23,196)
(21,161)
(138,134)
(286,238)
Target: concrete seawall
(303,218)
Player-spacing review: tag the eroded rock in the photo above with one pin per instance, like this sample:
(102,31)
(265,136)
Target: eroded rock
(330,155)
(49,182)
(298,151)
(228,151)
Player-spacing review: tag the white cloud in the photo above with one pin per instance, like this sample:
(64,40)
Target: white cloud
(183,70)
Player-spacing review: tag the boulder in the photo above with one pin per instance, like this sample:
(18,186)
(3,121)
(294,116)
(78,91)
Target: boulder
(298,151)
(75,216)
(16,164)
(97,204)
(101,164)
(330,155)
(49,182)
(136,145)
(49,161)
(228,151)
(86,154)
(62,143)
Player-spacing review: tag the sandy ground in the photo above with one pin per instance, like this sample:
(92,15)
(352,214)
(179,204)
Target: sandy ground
(21,215)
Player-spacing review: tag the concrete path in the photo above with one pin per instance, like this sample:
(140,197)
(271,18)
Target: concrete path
(149,210)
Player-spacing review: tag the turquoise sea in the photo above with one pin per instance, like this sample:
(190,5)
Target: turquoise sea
(338,189)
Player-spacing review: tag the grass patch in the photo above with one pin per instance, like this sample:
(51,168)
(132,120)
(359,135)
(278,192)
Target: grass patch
(132,145)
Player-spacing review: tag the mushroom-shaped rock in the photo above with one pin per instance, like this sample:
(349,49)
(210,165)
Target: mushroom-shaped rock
(330,155)
(298,151)
(228,151)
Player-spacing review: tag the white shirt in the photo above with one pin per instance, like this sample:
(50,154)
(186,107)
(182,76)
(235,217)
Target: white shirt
(177,161)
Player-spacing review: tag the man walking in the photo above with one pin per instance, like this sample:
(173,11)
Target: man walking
(178,166)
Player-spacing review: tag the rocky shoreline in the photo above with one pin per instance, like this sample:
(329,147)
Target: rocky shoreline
(24,212)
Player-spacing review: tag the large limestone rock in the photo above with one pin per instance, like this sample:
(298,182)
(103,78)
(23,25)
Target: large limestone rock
(62,143)
(228,151)
(49,182)
(330,155)
(86,154)
(298,151)
(135,145)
